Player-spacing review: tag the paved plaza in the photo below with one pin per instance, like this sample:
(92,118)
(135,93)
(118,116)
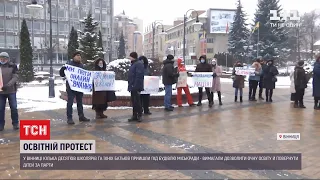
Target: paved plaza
(250,127)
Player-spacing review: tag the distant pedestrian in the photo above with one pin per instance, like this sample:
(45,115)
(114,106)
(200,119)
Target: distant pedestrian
(76,61)
(135,86)
(169,77)
(254,80)
(300,84)
(238,82)
(270,79)
(204,66)
(145,98)
(182,68)
(9,90)
(216,84)
(316,83)
(292,87)
(100,99)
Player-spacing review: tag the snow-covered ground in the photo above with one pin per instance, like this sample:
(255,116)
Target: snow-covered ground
(35,98)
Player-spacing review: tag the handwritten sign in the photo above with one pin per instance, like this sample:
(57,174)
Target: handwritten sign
(244,71)
(151,85)
(1,80)
(104,80)
(79,80)
(202,79)
(183,79)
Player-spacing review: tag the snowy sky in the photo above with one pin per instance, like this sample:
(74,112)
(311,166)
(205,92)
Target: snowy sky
(168,10)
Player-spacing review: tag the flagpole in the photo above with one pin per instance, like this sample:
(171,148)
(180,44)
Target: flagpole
(227,29)
(258,41)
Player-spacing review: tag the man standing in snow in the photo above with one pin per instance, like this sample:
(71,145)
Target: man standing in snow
(135,86)
(8,90)
(76,61)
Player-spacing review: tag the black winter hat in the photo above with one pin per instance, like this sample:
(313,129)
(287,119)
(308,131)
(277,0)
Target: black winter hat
(144,59)
(134,55)
(300,63)
(76,53)
(170,57)
(203,57)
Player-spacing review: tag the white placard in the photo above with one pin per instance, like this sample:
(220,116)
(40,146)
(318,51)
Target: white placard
(104,80)
(202,79)
(183,79)
(151,85)
(79,80)
(219,20)
(244,71)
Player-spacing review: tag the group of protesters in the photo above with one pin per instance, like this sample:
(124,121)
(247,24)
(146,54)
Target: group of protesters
(264,76)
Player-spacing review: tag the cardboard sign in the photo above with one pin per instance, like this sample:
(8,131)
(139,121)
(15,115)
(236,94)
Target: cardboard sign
(202,79)
(244,71)
(104,80)
(151,85)
(183,79)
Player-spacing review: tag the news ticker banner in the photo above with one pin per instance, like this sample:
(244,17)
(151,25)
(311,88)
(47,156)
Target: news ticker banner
(176,161)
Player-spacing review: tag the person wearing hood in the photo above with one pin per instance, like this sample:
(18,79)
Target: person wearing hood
(145,98)
(216,84)
(8,90)
(238,82)
(100,99)
(270,79)
(169,77)
(300,84)
(316,83)
(203,66)
(182,68)
(254,80)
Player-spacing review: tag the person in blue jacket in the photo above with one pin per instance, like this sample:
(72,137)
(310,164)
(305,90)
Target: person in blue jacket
(76,61)
(145,98)
(316,83)
(135,86)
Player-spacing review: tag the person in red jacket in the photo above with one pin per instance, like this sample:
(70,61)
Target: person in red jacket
(182,68)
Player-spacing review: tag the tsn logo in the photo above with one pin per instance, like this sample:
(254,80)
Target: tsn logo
(282,19)
(35,130)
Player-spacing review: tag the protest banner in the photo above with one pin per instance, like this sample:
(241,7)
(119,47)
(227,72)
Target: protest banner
(1,80)
(151,85)
(202,79)
(79,80)
(183,79)
(245,71)
(104,80)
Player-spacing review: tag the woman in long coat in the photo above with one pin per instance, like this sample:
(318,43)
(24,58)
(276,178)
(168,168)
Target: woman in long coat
(292,87)
(100,99)
(316,83)
(216,84)
(238,82)
(270,79)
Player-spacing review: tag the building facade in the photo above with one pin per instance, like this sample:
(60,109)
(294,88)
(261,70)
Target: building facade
(132,36)
(65,14)
(159,41)
(204,42)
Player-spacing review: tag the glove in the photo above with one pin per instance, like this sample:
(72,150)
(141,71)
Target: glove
(214,75)
(5,87)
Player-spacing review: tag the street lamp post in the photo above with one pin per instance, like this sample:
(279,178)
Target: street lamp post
(34,5)
(197,26)
(154,28)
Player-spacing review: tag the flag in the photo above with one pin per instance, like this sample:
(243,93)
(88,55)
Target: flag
(256,27)
(227,28)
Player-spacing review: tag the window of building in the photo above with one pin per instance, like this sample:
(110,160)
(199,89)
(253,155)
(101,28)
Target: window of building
(75,14)
(62,12)
(9,9)
(10,41)
(210,50)
(2,41)
(2,8)
(104,4)
(9,25)
(1,24)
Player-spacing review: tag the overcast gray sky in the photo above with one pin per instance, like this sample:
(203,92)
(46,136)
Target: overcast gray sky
(168,10)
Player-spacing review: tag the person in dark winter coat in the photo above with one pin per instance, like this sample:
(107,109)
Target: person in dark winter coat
(238,83)
(204,66)
(300,84)
(76,61)
(263,66)
(100,99)
(269,79)
(169,77)
(316,83)
(135,86)
(8,91)
(145,98)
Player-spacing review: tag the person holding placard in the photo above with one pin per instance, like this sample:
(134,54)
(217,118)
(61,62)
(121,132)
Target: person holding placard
(254,80)
(238,82)
(76,61)
(8,86)
(183,86)
(100,99)
(145,98)
(216,84)
(270,79)
(135,86)
(203,66)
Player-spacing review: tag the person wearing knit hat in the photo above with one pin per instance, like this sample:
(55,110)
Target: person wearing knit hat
(145,98)
(75,61)
(300,84)
(270,79)
(135,86)
(169,77)
(216,84)
(316,83)
(8,86)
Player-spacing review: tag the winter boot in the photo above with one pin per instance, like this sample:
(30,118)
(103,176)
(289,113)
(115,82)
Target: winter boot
(219,96)
(133,118)
(301,105)
(103,115)
(70,121)
(98,115)
(83,119)
(235,98)
(241,99)
(267,96)
(316,105)
(296,105)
